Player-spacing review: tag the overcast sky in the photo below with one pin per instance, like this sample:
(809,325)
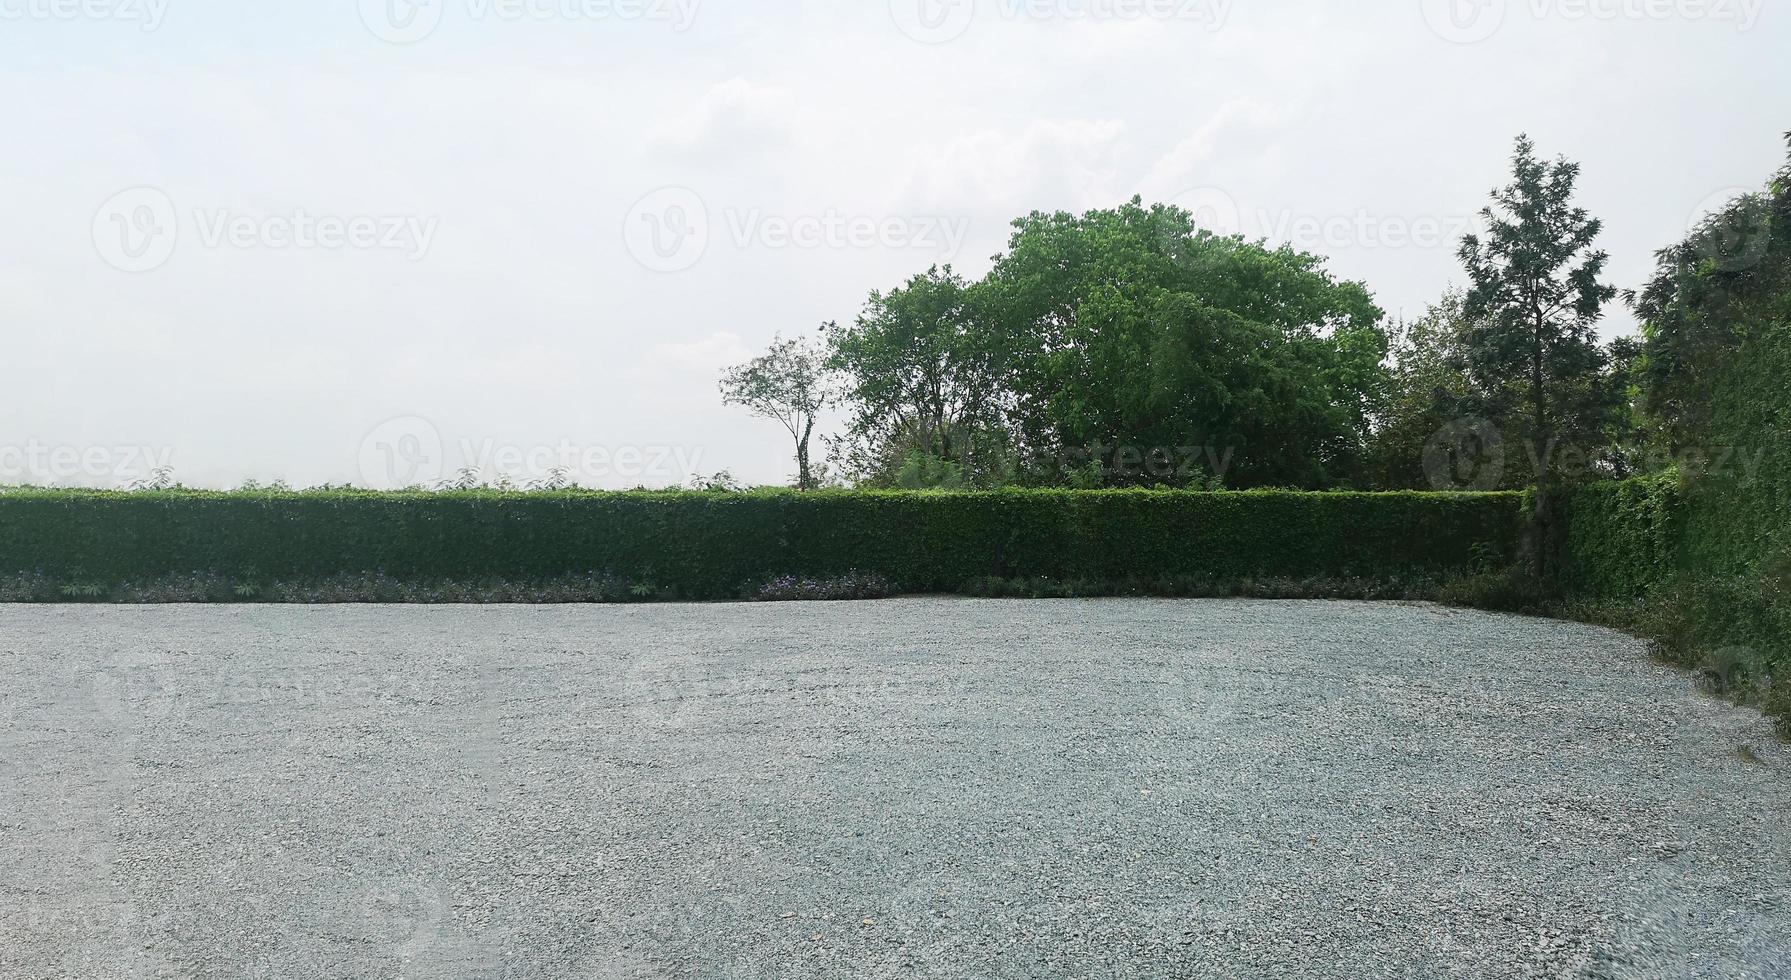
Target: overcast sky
(369,242)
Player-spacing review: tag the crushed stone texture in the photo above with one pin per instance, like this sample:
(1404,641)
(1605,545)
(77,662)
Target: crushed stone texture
(911,788)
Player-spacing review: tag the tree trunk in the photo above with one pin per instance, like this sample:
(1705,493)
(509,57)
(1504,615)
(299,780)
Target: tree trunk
(1542,539)
(805,479)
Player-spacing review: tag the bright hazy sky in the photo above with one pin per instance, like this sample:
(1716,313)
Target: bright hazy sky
(266,240)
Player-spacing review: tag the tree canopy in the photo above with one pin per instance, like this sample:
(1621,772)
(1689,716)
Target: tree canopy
(1129,346)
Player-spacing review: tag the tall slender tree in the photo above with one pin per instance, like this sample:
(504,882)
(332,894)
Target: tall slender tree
(1534,304)
(789,384)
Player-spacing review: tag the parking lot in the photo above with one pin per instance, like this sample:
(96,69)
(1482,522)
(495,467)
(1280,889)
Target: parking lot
(920,787)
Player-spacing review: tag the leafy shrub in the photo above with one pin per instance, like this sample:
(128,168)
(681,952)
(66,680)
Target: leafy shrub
(347,588)
(1735,672)
(1778,704)
(852,585)
(1666,618)
(1500,590)
(1643,546)
(29,588)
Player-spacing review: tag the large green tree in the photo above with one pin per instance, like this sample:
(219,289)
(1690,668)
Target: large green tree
(925,379)
(1169,354)
(1729,277)
(1535,299)
(1427,394)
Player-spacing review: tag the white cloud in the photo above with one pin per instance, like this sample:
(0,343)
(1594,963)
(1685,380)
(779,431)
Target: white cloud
(734,117)
(1051,163)
(1189,164)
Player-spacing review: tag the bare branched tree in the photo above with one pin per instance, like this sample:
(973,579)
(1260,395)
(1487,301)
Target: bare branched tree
(790,384)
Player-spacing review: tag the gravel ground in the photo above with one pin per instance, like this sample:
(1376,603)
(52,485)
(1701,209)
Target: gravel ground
(927,788)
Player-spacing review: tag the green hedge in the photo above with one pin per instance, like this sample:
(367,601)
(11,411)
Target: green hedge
(1620,540)
(1701,559)
(1739,512)
(715,545)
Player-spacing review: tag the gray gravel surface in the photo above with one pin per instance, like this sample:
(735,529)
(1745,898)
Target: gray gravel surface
(925,788)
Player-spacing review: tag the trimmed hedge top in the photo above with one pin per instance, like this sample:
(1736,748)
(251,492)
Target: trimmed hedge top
(718,545)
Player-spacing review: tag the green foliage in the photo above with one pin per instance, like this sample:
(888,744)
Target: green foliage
(1703,555)
(1500,590)
(332,589)
(788,384)
(723,545)
(852,586)
(1425,389)
(1127,342)
(1535,301)
(923,472)
(1536,297)
(1621,539)
(925,377)
(1729,281)
(1133,328)
(722,482)
(1089,476)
